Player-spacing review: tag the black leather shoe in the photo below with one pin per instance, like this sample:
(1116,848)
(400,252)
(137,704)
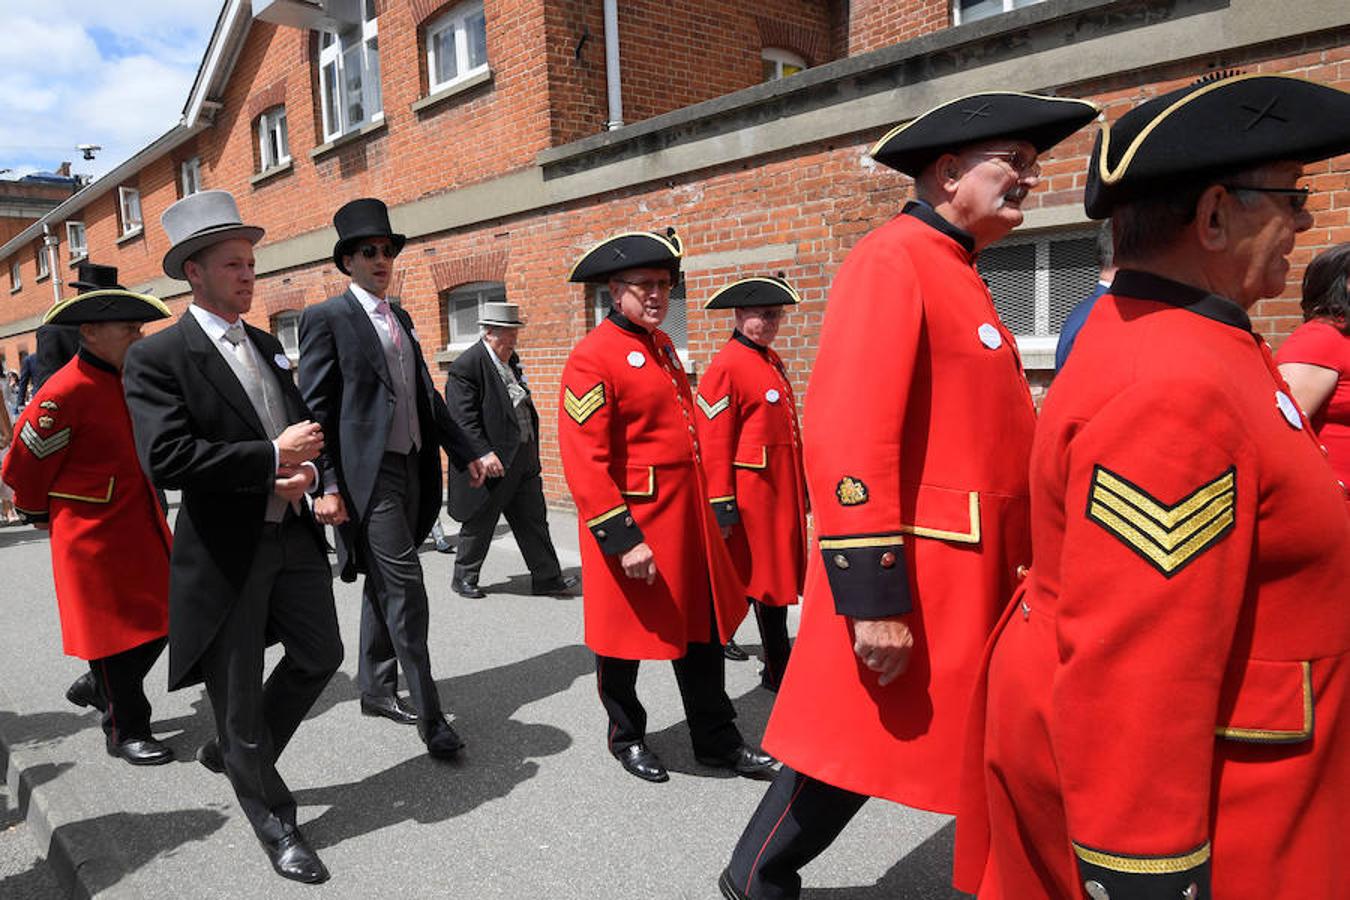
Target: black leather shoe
(744,760)
(84,691)
(643,763)
(442,741)
(208,755)
(728,887)
(732,650)
(393,708)
(141,751)
(293,858)
(467,589)
(554,586)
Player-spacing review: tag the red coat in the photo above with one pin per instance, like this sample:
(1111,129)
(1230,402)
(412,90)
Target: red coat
(73,463)
(1169,699)
(752,451)
(918,428)
(632,461)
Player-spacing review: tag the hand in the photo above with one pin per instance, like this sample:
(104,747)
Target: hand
(883,645)
(300,443)
(477,475)
(293,482)
(492,465)
(726,532)
(639,562)
(330,509)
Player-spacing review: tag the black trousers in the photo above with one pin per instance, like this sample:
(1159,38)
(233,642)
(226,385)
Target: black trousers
(121,678)
(394,614)
(288,597)
(700,674)
(773,633)
(519,494)
(796,821)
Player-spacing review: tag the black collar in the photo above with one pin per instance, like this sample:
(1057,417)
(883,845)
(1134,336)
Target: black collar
(1147,286)
(627,324)
(925,213)
(737,336)
(97,363)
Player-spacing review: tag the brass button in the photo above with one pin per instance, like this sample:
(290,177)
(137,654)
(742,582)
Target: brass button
(729,507)
(1022,572)
(1096,890)
(888,560)
(840,561)
(602,534)
(1192,891)
(628,520)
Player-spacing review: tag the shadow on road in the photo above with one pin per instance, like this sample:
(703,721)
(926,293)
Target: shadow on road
(924,874)
(30,779)
(15,536)
(40,728)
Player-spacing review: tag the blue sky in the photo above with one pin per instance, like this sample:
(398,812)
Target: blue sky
(109,72)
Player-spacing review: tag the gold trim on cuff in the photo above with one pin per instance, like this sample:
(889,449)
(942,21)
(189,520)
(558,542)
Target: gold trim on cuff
(852,543)
(1144,865)
(607,515)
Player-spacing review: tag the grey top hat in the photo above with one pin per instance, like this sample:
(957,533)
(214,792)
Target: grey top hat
(501,315)
(198,221)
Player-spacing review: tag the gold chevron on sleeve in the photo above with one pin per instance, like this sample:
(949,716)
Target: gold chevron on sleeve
(43,447)
(1168,536)
(712,409)
(583,407)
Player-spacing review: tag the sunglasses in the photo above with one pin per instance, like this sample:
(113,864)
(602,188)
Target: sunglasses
(1298,197)
(370,251)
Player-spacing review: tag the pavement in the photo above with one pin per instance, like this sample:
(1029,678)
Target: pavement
(535,807)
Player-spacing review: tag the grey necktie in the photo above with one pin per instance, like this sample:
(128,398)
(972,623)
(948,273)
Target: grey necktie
(262,394)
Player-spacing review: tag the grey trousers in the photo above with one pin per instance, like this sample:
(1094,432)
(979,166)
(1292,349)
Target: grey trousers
(519,494)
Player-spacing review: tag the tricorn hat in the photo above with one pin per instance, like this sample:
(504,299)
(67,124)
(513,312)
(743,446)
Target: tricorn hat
(366,217)
(92,277)
(501,315)
(1040,121)
(107,305)
(630,250)
(1220,124)
(200,220)
(761,290)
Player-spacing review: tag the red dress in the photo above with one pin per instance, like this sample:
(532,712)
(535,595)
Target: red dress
(752,451)
(73,462)
(632,461)
(1322,344)
(1168,699)
(918,426)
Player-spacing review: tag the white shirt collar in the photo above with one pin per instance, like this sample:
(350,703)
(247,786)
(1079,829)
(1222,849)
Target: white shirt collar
(212,324)
(367,300)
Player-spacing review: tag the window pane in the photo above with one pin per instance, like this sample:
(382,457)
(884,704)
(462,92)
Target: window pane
(476,26)
(464,318)
(332,119)
(325,40)
(351,86)
(443,50)
(134,207)
(676,323)
(1074,271)
(972,10)
(770,70)
(370,10)
(1011,274)
(789,69)
(283,138)
(375,102)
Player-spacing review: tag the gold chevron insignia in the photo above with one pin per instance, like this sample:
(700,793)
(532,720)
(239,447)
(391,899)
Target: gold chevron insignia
(1171,536)
(43,447)
(712,409)
(583,407)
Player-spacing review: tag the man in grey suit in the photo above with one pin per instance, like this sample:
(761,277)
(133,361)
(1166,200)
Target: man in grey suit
(490,400)
(363,375)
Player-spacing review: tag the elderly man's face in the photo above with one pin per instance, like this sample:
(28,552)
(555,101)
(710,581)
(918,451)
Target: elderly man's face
(993,179)
(642,295)
(502,341)
(110,341)
(760,323)
(1264,226)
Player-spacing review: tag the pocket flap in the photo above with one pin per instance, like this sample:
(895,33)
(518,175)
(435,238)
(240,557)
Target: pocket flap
(636,481)
(1267,702)
(751,456)
(86,487)
(943,513)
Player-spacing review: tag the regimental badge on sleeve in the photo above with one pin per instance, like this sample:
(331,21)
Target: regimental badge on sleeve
(712,409)
(1168,536)
(583,407)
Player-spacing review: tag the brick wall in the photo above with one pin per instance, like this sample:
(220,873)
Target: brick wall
(879,23)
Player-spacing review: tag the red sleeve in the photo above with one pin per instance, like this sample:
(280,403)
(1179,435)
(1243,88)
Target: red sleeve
(41,436)
(718,425)
(1317,344)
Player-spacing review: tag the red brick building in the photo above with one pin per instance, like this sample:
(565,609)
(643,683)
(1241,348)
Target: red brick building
(488,127)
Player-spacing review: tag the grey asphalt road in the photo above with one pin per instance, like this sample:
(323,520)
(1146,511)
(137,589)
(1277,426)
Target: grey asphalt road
(536,808)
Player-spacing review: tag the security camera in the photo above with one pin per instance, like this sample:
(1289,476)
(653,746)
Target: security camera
(88,149)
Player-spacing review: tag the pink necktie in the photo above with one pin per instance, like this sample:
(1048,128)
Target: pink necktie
(395,333)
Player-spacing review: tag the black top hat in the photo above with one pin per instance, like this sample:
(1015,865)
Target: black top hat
(107,305)
(1221,124)
(366,217)
(761,290)
(93,277)
(1040,121)
(630,250)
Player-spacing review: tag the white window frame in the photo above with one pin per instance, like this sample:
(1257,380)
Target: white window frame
(485,292)
(286,329)
(274,141)
(44,262)
(129,201)
(333,64)
(79,249)
(455,21)
(781,57)
(1008,6)
(15,276)
(190,176)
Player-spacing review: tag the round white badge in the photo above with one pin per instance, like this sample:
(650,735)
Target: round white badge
(772,395)
(990,337)
(281,361)
(636,360)
(1289,409)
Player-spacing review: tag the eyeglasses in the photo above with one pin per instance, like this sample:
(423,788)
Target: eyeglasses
(1298,197)
(647,286)
(370,251)
(769,313)
(1021,163)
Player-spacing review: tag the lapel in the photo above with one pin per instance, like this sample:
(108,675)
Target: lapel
(265,344)
(218,372)
(488,367)
(367,338)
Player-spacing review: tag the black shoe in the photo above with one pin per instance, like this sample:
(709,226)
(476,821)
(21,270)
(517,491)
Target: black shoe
(468,589)
(293,858)
(728,887)
(84,691)
(393,708)
(141,751)
(744,760)
(732,650)
(563,584)
(643,763)
(208,755)
(441,740)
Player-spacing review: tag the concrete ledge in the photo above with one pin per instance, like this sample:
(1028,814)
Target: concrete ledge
(350,138)
(454,90)
(131,236)
(269,174)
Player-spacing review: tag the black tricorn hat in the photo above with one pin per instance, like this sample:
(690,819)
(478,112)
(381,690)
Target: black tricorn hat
(1216,126)
(107,305)
(1040,121)
(366,217)
(761,290)
(93,277)
(630,250)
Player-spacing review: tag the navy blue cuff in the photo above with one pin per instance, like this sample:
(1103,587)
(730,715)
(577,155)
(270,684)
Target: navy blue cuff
(615,531)
(1112,876)
(867,575)
(726,511)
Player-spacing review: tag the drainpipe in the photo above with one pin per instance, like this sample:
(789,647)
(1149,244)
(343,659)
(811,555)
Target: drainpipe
(53,261)
(612,65)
